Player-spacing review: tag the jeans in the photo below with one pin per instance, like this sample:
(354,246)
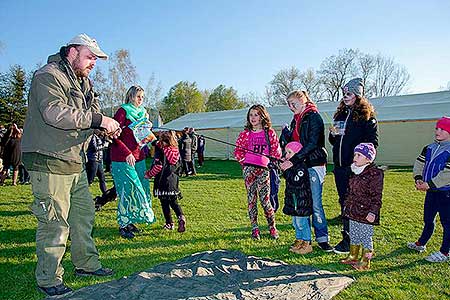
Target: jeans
(94,168)
(319,220)
(436,202)
(302,228)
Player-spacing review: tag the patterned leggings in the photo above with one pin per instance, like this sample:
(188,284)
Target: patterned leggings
(257,181)
(361,234)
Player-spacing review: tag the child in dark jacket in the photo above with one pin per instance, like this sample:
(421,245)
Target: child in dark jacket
(432,174)
(298,200)
(362,205)
(165,169)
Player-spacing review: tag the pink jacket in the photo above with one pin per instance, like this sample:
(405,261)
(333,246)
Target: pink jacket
(242,144)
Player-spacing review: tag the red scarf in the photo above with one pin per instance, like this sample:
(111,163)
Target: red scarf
(298,119)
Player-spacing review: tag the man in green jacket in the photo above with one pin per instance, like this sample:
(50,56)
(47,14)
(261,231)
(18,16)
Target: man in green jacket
(62,111)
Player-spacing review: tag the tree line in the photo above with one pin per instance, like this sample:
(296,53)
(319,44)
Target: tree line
(382,77)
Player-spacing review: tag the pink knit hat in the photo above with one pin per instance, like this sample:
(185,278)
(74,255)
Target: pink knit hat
(294,146)
(444,124)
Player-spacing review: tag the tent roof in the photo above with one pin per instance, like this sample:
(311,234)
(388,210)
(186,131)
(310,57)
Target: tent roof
(427,106)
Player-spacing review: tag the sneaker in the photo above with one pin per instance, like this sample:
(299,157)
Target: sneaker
(304,247)
(274,233)
(132,228)
(169,226)
(100,272)
(343,247)
(182,224)
(325,246)
(414,246)
(256,234)
(56,290)
(437,257)
(125,233)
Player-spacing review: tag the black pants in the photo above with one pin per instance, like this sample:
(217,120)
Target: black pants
(166,203)
(94,168)
(24,177)
(341,178)
(201,158)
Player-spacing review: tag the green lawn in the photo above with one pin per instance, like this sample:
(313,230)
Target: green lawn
(215,206)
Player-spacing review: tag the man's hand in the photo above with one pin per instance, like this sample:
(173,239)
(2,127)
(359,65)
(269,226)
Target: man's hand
(112,126)
(131,160)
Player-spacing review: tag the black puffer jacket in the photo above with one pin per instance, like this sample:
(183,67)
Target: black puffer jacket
(297,195)
(312,137)
(364,195)
(364,131)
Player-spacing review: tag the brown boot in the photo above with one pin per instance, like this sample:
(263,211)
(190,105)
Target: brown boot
(181,223)
(303,247)
(364,263)
(352,257)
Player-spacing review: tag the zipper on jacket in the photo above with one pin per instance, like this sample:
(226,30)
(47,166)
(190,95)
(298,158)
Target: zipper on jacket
(342,137)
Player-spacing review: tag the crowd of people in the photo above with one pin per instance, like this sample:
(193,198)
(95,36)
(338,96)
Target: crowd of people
(65,135)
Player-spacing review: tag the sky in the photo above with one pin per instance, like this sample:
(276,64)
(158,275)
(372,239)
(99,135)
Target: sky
(240,44)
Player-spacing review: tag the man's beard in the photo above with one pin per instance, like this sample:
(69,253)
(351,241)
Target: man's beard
(79,72)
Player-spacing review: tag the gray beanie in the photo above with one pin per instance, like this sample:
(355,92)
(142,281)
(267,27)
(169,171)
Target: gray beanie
(355,86)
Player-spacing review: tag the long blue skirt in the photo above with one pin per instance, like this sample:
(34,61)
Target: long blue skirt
(133,191)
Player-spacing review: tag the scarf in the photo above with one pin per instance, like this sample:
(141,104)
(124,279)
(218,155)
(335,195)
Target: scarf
(134,113)
(358,170)
(298,119)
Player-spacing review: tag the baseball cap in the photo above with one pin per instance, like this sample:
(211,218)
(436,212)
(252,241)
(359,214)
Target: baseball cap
(84,40)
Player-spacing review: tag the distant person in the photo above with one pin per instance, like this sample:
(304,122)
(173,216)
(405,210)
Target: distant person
(185,146)
(61,110)
(94,165)
(191,164)
(432,175)
(298,200)
(307,128)
(252,151)
(128,168)
(354,123)
(201,150)
(12,154)
(362,205)
(3,137)
(165,169)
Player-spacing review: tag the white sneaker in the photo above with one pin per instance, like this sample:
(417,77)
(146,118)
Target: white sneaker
(437,257)
(413,246)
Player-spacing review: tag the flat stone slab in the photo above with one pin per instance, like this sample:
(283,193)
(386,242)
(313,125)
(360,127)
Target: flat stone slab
(220,274)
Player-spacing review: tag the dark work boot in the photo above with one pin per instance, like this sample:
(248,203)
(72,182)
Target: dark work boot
(343,247)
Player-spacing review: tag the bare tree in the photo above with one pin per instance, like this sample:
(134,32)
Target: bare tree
(113,86)
(335,71)
(252,98)
(282,83)
(310,82)
(390,78)
(365,68)
(153,92)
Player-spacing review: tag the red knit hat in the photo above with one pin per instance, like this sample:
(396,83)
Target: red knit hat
(444,124)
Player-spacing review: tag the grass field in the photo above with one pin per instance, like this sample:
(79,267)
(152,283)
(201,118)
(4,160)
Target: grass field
(215,206)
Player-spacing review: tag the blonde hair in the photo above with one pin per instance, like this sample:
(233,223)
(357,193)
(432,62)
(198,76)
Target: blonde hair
(262,112)
(298,94)
(132,92)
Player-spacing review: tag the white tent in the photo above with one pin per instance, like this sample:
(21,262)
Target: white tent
(406,124)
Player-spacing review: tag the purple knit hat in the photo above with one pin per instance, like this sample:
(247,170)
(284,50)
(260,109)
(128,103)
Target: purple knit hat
(367,149)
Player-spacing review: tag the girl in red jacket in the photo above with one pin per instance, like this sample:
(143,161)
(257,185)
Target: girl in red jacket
(362,205)
(258,137)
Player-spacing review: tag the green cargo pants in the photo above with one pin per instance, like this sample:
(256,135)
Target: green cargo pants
(62,205)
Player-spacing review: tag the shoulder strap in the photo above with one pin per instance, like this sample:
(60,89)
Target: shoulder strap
(266,133)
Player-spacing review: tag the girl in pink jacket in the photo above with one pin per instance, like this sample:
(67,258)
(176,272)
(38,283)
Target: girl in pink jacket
(254,146)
